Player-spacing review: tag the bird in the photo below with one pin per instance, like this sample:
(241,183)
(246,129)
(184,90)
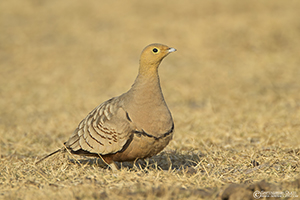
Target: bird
(135,125)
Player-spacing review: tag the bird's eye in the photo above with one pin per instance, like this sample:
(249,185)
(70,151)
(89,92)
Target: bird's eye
(155,50)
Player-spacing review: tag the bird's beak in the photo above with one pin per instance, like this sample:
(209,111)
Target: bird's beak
(171,50)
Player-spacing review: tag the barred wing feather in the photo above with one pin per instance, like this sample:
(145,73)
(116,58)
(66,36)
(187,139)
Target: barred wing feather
(105,130)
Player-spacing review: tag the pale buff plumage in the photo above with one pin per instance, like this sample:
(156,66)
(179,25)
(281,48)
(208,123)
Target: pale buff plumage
(136,124)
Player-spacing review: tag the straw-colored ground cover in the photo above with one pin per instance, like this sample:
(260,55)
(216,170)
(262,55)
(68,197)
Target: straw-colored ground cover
(233,88)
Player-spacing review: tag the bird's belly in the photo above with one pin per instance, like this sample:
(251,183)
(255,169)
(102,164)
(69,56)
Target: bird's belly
(142,147)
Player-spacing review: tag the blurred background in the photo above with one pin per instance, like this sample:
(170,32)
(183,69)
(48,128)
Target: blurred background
(234,80)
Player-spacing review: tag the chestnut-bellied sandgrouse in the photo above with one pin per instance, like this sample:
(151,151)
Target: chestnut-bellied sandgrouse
(136,124)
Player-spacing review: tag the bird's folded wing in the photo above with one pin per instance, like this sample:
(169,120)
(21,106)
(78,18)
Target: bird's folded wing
(105,130)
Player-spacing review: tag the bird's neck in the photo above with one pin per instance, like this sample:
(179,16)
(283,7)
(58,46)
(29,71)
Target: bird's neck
(147,69)
(147,82)
(147,76)
(146,88)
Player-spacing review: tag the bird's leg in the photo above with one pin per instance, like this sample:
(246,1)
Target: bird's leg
(112,165)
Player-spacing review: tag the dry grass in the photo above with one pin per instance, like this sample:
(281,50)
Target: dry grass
(233,87)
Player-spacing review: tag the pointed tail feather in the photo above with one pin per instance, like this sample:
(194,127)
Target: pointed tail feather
(51,154)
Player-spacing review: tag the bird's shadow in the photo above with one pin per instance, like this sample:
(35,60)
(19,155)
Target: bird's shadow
(167,160)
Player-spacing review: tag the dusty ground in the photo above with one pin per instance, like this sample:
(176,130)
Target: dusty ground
(233,88)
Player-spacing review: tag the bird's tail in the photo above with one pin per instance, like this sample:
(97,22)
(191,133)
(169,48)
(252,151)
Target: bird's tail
(51,154)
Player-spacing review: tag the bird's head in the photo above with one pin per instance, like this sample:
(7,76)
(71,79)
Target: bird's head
(152,55)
